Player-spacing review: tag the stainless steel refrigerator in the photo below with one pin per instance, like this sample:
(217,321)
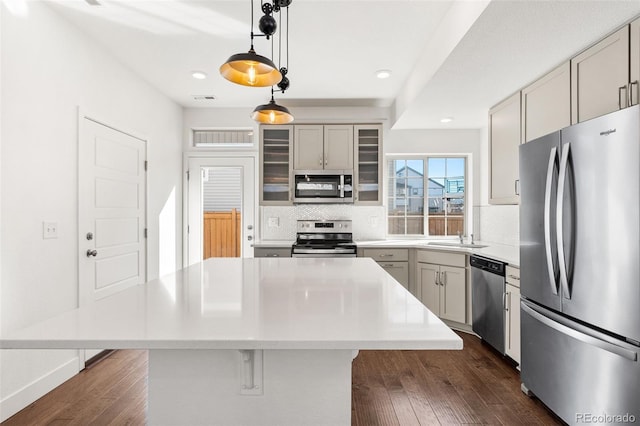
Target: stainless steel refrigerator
(580,269)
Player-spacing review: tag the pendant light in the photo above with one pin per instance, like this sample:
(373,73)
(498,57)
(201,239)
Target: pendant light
(272,113)
(251,69)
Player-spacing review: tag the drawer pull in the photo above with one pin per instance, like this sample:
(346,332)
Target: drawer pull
(514,277)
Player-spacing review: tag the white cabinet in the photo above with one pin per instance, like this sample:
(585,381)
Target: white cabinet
(512,314)
(442,284)
(546,104)
(318,147)
(394,261)
(634,58)
(276,154)
(600,77)
(368,162)
(504,139)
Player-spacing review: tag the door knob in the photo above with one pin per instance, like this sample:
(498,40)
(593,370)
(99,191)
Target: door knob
(93,253)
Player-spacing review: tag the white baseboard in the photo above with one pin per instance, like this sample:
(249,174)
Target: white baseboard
(36,389)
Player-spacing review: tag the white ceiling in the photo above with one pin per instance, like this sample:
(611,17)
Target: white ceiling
(449,59)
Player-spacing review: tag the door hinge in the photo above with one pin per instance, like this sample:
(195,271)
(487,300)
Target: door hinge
(145,232)
(146,165)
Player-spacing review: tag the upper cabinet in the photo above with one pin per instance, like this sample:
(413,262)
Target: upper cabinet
(504,139)
(284,148)
(635,61)
(276,156)
(318,147)
(546,104)
(600,77)
(368,162)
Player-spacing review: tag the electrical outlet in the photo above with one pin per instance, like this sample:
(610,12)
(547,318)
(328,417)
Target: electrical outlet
(273,222)
(49,230)
(373,221)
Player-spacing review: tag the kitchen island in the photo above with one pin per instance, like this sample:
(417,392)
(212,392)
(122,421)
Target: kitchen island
(251,341)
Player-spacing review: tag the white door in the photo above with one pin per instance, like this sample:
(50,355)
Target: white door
(112,212)
(200,171)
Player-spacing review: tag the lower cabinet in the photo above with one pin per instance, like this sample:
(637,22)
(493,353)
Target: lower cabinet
(512,314)
(272,252)
(442,284)
(398,270)
(394,261)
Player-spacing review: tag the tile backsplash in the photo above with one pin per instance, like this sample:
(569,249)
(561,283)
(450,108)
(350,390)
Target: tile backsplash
(279,222)
(500,224)
(491,223)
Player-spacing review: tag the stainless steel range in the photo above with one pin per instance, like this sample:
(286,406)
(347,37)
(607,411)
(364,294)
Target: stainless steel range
(324,238)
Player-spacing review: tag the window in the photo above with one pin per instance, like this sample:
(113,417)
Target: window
(222,137)
(426,196)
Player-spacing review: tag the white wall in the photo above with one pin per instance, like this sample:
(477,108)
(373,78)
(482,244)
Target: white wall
(49,69)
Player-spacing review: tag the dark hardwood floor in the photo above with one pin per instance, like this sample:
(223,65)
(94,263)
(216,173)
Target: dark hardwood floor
(472,386)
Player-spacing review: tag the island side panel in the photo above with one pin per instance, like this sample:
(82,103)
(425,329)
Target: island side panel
(209,387)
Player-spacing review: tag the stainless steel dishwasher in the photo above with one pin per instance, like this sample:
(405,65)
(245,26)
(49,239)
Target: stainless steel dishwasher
(487,301)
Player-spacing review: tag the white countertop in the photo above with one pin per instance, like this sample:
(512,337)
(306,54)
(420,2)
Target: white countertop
(263,303)
(505,253)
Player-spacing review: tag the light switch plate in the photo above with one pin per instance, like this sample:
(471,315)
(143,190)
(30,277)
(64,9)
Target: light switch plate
(273,222)
(49,230)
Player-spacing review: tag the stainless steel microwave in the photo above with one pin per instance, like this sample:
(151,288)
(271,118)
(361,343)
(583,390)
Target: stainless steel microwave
(323,186)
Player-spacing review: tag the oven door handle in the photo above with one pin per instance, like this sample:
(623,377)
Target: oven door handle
(325,251)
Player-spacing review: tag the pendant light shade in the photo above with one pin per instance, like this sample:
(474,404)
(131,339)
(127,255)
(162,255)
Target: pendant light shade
(251,69)
(272,113)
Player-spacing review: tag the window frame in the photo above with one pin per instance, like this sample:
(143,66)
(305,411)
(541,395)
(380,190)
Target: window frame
(425,159)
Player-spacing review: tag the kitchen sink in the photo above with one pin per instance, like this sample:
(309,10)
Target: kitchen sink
(461,245)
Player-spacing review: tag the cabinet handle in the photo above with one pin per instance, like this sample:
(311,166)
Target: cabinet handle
(633,83)
(386,255)
(388,265)
(516,186)
(514,277)
(620,97)
(435,277)
(273,255)
(443,275)
(504,302)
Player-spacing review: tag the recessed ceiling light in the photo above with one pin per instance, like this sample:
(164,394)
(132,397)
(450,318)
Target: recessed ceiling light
(383,74)
(446,120)
(199,75)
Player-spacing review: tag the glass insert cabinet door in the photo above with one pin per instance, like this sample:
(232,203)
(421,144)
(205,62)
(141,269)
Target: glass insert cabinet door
(276,153)
(368,150)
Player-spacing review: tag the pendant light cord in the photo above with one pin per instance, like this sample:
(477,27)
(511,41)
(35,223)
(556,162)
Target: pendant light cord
(251,24)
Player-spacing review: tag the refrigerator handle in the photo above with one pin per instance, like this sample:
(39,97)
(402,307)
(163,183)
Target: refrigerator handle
(562,264)
(585,338)
(553,159)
